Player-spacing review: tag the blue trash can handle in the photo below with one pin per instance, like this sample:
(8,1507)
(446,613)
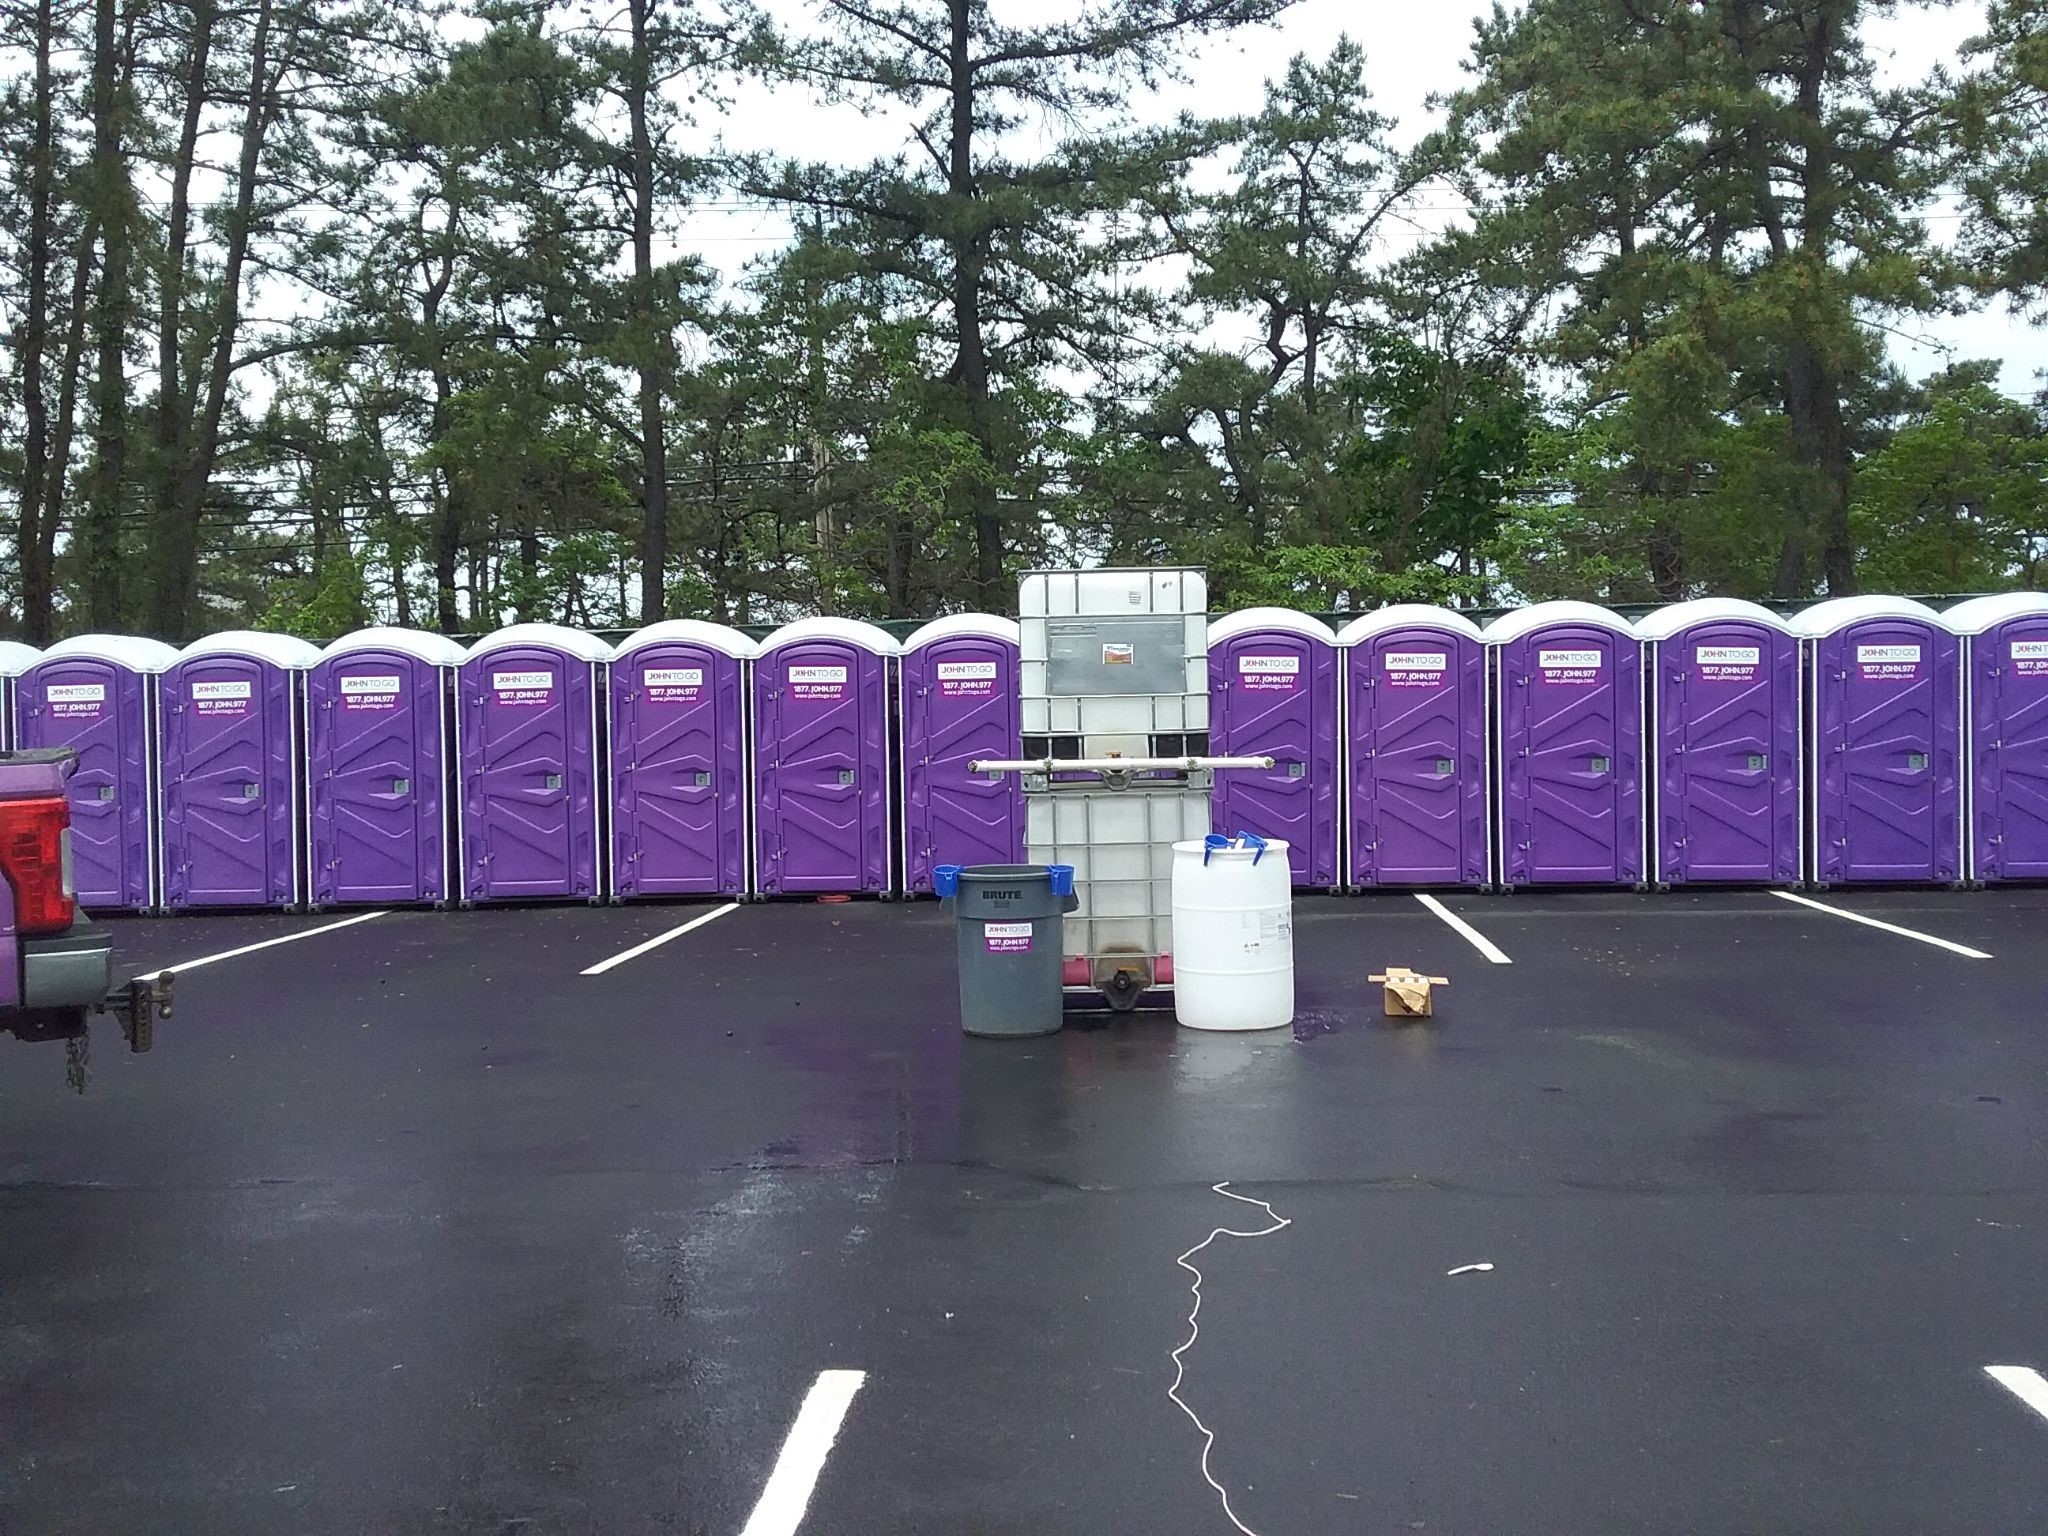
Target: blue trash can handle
(946,880)
(1213,843)
(1254,841)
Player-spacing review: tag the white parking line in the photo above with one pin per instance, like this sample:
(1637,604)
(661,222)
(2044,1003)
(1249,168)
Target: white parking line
(1478,940)
(661,938)
(790,1485)
(1870,922)
(250,949)
(2024,1383)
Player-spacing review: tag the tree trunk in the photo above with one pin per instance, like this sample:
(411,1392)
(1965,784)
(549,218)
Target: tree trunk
(114,210)
(30,340)
(655,343)
(173,410)
(1820,444)
(969,376)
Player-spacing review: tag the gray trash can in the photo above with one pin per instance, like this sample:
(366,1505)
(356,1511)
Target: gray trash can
(1008,942)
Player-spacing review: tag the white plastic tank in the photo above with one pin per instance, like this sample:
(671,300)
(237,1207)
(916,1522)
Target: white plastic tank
(1233,934)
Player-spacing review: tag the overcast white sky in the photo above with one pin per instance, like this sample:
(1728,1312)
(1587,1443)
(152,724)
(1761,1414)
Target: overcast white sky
(1414,49)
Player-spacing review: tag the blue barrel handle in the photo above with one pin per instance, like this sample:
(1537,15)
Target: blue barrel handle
(946,880)
(1062,878)
(1215,842)
(1254,841)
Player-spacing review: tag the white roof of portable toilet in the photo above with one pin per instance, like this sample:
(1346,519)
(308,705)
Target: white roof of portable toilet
(135,652)
(1514,625)
(868,637)
(986,626)
(424,644)
(1663,623)
(287,651)
(1974,615)
(1402,616)
(718,637)
(1247,620)
(574,642)
(16,658)
(1836,613)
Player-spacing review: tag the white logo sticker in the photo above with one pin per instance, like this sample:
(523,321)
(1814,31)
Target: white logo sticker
(1417,661)
(357,687)
(673,677)
(966,671)
(1008,930)
(1878,654)
(1728,655)
(1268,666)
(76,693)
(1551,659)
(817,674)
(229,690)
(507,682)
(2022,650)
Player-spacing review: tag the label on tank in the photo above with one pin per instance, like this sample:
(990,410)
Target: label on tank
(1728,663)
(1416,669)
(1888,663)
(1573,667)
(673,685)
(1007,938)
(2029,658)
(523,690)
(966,679)
(371,692)
(817,682)
(1269,674)
(76,701)
(229,697)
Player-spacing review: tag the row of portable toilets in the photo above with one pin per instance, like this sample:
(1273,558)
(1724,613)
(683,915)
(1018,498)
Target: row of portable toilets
(1866,739)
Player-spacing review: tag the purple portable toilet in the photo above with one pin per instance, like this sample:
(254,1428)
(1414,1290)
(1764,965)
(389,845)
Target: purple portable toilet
(15,659)
(97,694)
(230,725)
(1568,701)
(1415,773)
(677,743)
(1724,744)
(379,820)
(961,701)
(821,758)
(1273,693)
(2005,731)
(526,748)
(1885,741)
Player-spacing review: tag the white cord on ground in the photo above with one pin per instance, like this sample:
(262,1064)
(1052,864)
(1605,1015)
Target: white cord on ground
(1195,1332)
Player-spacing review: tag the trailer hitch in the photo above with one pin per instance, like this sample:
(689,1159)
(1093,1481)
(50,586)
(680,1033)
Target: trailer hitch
(138,1004)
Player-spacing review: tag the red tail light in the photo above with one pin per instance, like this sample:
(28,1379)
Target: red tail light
(35,856)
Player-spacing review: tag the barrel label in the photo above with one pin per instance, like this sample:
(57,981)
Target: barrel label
(1728,663)
(1007,938)
(523,690)
(1269,674)
(2030,658)
(76,701)
(371,691)
(1888,663)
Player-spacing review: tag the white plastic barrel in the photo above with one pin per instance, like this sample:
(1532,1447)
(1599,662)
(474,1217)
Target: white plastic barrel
(1233,936)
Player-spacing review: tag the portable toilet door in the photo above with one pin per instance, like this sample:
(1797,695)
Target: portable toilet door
(1273,693)
(1415,775)
(377,761)
(1569,702)
(2005,720)
(97,694)
(231,748)
(526,746)
(677,745)
(1724,744)
(15,659)
(961,701)
(1886,741)
(821,758)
